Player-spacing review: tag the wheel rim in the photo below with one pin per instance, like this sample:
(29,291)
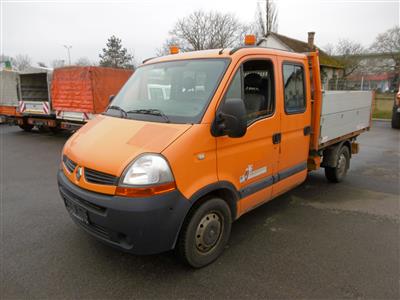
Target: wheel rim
(341,166)
(209,232)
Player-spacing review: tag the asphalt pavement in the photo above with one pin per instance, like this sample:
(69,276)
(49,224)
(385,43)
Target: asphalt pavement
(319,241)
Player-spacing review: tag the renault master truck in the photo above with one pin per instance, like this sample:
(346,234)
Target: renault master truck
(237,128)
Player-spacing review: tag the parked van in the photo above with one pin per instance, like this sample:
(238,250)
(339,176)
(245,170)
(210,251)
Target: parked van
(239,127)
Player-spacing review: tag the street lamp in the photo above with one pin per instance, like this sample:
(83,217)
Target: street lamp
(68,47)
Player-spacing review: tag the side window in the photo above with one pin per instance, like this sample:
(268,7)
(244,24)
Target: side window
(235,88)
(293,80)
(258,94)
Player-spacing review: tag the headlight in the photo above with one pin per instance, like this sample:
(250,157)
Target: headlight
(148,169)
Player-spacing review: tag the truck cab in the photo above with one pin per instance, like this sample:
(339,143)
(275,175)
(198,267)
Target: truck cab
(237,128)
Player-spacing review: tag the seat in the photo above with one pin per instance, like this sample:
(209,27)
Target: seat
(253,99)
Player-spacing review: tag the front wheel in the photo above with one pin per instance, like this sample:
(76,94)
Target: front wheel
(205,233)
(337,173)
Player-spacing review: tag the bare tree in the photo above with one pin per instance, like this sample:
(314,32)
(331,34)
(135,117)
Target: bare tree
(389,43)
(329,49)
(205,30)
(22,62)
(83,61)
(267,18)
(58,63)
(349,53)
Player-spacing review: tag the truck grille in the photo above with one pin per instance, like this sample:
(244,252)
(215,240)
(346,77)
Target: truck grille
(69,164)
(97,177)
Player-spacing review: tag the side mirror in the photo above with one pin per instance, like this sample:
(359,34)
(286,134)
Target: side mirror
(111,98)
(231,119)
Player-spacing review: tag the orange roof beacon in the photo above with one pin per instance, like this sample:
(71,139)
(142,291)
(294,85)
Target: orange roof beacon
(195,140)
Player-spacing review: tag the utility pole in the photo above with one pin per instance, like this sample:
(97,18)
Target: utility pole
(68,47)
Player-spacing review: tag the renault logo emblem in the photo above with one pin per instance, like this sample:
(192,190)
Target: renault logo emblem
(79,173)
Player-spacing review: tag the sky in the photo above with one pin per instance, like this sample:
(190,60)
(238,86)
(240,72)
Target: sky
(41,28)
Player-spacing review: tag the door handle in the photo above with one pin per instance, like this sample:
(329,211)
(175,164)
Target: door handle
(276,138)
(307,130)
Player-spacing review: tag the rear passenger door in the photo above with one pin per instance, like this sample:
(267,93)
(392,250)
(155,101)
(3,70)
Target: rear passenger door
(249,162)
(294,137)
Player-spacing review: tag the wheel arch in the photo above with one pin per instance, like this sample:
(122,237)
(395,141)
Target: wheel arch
(222,189)
(330,154)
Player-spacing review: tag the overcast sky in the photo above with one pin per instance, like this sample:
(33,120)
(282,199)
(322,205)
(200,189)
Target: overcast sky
(40,28)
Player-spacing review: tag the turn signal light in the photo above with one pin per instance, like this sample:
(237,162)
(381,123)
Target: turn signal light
(250,40)
(144,191)
(173,49)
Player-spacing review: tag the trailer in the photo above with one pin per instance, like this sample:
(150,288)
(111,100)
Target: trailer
(9,90)
(80,93)
(35,103)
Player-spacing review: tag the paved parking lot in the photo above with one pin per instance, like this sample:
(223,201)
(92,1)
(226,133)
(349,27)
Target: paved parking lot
(320,240)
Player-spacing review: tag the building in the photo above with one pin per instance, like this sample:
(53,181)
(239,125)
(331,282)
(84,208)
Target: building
(331,68)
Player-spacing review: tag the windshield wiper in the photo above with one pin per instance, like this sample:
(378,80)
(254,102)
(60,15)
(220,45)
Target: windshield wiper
(124,114)
(151,111)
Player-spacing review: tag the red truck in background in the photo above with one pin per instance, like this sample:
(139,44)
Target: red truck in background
(79,93)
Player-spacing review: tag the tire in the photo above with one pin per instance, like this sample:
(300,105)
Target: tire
(395,119)
(205,233)
(26,127)
(338,173)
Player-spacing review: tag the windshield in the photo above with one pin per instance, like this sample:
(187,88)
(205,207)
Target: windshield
(174,91)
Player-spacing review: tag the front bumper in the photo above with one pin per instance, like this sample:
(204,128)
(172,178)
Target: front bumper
(138,225)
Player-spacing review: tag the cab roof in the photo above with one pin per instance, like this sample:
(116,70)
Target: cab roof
(233,53)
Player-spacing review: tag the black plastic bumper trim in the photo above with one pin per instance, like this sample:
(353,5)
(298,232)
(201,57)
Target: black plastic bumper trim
(138,225)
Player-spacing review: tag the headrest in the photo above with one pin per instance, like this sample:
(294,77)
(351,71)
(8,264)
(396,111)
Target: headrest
(252,80)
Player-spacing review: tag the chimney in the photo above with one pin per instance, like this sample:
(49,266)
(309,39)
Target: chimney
(311,40)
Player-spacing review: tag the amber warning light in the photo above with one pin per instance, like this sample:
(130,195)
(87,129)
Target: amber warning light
(250,40)
(174,50)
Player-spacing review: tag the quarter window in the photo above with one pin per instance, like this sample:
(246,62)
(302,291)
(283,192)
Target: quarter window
(293,80)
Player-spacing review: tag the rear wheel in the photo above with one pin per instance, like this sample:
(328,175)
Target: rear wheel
(205,233)
(337,173)
(26,127)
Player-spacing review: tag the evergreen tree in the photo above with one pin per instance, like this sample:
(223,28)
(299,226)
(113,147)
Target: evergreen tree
(115,56)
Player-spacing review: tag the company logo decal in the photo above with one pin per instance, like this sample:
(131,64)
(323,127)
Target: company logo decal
(79,173)
(250,173)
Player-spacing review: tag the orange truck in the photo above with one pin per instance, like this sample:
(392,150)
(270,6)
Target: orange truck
(79,93)
(225,131)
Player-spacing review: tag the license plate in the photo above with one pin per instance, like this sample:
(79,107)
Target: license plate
(77,212)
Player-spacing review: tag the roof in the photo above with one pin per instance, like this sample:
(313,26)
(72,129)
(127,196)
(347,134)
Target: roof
(300,46)
(224,53)
(373,77)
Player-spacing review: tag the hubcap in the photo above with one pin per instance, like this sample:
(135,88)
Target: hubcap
(341,166)
(208,232)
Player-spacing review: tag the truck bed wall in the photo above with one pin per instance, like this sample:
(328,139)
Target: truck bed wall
(34,87)
(9,82)
(86,89)
(344,112)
